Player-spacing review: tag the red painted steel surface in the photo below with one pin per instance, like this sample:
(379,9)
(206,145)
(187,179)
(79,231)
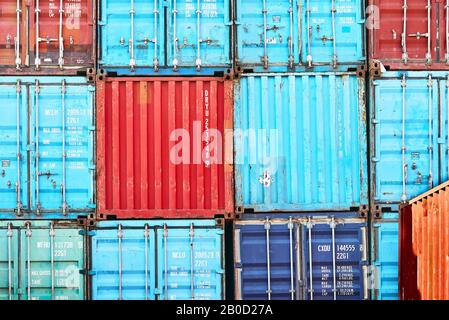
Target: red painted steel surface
(78,33)
(386,41)
(136,178)
(430,239)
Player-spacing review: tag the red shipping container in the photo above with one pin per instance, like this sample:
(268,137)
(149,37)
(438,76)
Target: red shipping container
(409,34)
(63,29)
(144,169)
(430,246)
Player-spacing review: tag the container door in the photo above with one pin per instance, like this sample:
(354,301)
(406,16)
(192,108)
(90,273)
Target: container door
(385,238)
(9,262)
(333,259)
(406,138)
(62,171)
(199,33)
(9,23)
(332,31)
(267,33)
(123,264)
(13,149)
(52,261)
(265,261)
(132,33)
(189,261)
(444,129)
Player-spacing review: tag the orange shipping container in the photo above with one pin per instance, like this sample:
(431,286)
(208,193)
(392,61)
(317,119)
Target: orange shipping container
(428,242)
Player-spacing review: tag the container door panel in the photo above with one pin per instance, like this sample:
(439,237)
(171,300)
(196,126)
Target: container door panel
(189,263)
(122,264)
(444,130)
(263,39)
(9,263)
(8,31)
(401,178)
(332,38)
(132,35)
(211,32)
(13,154)
(61,132)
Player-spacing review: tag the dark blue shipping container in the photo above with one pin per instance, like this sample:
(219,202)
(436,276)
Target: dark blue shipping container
(301,257)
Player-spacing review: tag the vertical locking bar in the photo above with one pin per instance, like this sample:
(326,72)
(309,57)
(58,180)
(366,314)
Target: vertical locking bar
(64,155)
(334,33)
(175,38)
(156,57)
(132,61)
(61,39)
(290,39)
(333,225)
(28,234)
(120,265)
(309,37)
(192,274)
(9,235)
(404,34)
(165,262)
(27,36)
(17,42)
(265,53)
(430,102)
(403,147)
(198,35)
(146,235)
(18,154)
(267,227)
(429,38)
(299,17)
(38,204)
(309,227)
(52,253)
(37,60)
(292,280)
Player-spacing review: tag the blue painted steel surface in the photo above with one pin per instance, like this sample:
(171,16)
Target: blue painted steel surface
(138,262)
(410,134)
(273,260)
(160,35)
(385,259)
(41,181)
(300,142)
(299,35)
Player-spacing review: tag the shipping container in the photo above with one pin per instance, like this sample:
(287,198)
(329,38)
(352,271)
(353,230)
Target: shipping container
(300,142)
(425,246)
(409,131)
(42,260)
(144,37)
(47,36)
(307,256)
(409,34)
(158,260)
(385,249)
(299,35)
(164,148)
(47,136)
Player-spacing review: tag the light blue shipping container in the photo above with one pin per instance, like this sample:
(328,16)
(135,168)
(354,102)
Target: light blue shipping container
(299,34)
(409,128)
(144,37)
(158,260)
(385,257)
(300,142)
(47,135)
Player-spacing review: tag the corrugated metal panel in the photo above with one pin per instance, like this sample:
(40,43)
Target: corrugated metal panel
(299,34)
(385,259)
(300,142)
(165,37)
(138,177)
(41,260)
(305,256)
(424,24)
(54,175)
(158,259)
(37,37)
(409,134)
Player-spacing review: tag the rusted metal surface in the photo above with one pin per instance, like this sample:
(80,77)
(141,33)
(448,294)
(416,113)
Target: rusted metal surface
(47,36)
(137,177)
